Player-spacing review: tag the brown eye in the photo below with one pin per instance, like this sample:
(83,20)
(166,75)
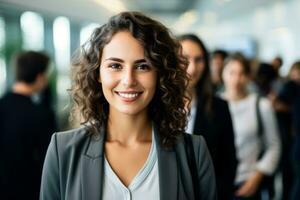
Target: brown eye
(143,67)
(199,59)
(115,66)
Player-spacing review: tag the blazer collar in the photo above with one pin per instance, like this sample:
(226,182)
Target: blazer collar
(167,170)
(92,169)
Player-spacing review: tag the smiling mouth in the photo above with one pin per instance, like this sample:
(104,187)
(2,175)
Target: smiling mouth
(129,96)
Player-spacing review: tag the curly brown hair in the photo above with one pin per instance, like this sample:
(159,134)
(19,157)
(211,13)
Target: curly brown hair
(167,108)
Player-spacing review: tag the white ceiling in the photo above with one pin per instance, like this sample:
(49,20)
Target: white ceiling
(168,11)
(97,10)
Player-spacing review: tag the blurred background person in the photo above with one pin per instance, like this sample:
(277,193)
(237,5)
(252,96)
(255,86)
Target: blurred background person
(277,63)
(294,73)
(265,76)
(25,129)
(267,80)
(278,81)
(216,67)
(258,151)
(289,100)
(209,115)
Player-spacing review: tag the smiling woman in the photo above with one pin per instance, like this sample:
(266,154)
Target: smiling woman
(129,86)
(128,80)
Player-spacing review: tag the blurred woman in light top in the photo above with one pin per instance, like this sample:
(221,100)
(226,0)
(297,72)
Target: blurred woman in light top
(257,154)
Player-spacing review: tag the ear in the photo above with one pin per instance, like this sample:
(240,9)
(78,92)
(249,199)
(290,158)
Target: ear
(40,81)
(40,77)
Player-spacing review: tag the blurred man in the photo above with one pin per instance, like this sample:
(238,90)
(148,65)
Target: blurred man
(277,63)
(25,129)
(217,64)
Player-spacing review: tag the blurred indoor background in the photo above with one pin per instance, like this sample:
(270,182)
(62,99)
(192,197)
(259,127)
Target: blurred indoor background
(261,29)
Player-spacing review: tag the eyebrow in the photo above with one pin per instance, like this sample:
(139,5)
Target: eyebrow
(122,61)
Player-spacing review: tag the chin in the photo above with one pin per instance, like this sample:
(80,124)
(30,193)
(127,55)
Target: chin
(131,111)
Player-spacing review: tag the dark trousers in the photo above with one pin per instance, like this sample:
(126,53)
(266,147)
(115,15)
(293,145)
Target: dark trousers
(295,194)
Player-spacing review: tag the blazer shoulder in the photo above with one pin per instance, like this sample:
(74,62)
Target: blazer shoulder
(200,146)
(204,167)
(199,143)
(71,138)
(219,102)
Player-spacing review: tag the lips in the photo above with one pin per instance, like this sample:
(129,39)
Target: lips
(129,96)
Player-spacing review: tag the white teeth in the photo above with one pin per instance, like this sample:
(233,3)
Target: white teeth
(128,95)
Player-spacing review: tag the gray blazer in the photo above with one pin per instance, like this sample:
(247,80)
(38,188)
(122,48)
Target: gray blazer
(73,168)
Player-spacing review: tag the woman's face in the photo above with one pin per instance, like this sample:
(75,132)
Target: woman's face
(195,56)
(128,80)
(295,75)
(234,76)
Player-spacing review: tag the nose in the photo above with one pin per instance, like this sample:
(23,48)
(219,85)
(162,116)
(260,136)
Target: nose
(191,67)
(129,78)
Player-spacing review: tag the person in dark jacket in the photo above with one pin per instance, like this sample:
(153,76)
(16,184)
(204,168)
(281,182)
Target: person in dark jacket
(289,99)
(210,116)
(25,129)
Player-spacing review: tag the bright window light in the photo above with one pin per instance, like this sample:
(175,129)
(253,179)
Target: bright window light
(63,84)
(2,61)
(86,32)
(32,26)
(61,37)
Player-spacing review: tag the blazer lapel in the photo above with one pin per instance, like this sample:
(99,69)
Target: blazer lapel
(92,170)
(167,170)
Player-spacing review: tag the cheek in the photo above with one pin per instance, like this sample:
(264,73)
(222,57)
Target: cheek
(190,70)
(195,71)
(198,72)
(150,82)
(201,68)
(295,75)
(226,77)
(107,80)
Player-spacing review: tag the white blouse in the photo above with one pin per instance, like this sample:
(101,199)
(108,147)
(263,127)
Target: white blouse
(247,141)
(145,184)
(192,117)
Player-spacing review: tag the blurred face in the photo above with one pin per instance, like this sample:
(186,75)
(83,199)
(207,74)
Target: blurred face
(216,68)
(40,82)
(128,80)
(234,77)
(295,75)
(194,54)
(276,64)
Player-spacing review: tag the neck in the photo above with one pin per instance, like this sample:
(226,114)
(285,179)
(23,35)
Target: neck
(192,94)
(216,80)
(233,95)
(23,89)
(128,129)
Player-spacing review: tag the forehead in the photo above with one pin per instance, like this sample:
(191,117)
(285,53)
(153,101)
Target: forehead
(235,65)
(191,48)
(123,45)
